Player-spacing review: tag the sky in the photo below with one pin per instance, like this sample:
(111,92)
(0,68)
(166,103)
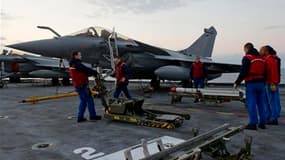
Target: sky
(172,24)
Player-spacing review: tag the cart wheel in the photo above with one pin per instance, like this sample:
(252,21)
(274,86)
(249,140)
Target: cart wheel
(171,126)
(186,116)
(178,122)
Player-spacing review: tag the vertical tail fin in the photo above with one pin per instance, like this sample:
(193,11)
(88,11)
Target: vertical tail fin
(204,45)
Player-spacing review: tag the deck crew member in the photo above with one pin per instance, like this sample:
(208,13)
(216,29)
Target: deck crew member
(253,72)
(272,81)
(122,75)
(198,73)
(79,74)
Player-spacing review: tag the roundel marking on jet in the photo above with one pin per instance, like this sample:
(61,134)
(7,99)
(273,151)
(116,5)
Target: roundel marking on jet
(15,67)
(83,46)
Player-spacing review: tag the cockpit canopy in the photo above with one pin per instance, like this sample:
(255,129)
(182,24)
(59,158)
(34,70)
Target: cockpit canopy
(98,32)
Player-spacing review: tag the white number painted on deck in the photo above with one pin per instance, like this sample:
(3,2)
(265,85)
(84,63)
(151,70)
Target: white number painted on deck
(88,153)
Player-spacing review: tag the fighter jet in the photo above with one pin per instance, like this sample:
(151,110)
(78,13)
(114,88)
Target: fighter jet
(145,61)
(16,66)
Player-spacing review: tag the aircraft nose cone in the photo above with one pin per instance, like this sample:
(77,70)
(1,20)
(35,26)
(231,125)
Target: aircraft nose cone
(26,46)
(46,47)
(14,46)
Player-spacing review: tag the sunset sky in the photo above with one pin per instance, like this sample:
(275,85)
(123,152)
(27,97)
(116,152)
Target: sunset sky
(172,24)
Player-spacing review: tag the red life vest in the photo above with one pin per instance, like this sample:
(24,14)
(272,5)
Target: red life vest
(278,71)
(256,69)
(198,70)
(272,69)
(79,79)
(119,72)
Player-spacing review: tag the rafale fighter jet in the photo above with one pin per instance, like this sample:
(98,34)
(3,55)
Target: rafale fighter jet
(145,61)
(17,65)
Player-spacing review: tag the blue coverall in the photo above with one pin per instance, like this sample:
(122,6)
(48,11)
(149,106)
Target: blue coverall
(255,93)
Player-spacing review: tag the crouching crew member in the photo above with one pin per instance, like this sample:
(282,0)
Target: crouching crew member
(198,73)
(272,81)
(79,74)
(253,72)
(122,75)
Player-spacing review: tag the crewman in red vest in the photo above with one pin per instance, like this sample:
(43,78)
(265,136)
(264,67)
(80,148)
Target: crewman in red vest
(272,81)
(253,72)
(79,74)
(122,75)
(198,73)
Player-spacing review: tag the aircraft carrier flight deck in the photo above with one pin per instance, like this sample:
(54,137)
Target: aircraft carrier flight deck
(48,129)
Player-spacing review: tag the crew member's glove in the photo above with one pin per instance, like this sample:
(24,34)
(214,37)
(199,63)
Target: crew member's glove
(273,87)
(123,80)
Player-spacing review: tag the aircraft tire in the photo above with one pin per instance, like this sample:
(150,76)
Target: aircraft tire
(55,81)
(66,81)
(155,83)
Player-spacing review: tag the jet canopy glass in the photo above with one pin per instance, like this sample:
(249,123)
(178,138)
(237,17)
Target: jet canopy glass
(98,32)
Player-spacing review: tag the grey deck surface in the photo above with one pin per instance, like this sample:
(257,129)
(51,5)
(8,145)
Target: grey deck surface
(47,122)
